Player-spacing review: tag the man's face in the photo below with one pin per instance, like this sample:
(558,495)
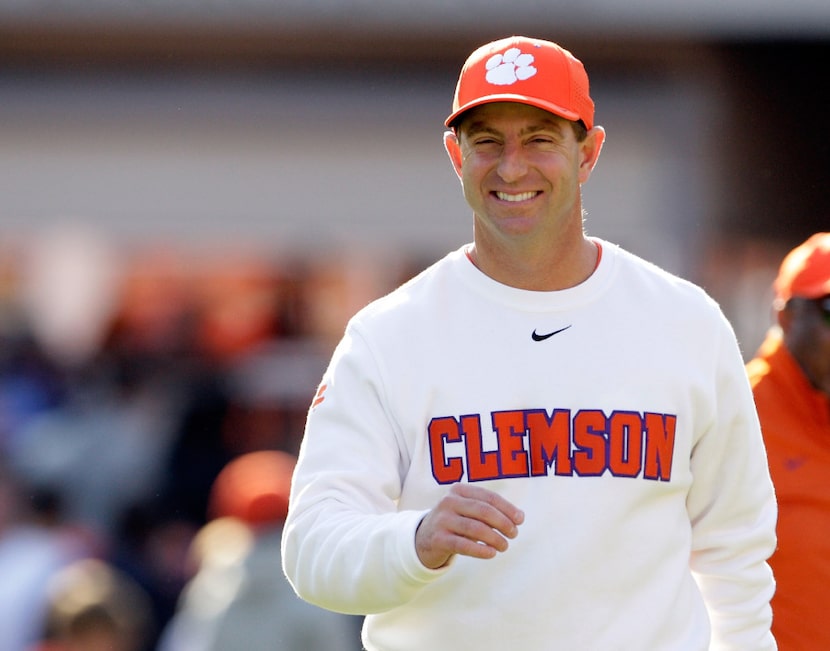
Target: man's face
(806,326)
(521,170)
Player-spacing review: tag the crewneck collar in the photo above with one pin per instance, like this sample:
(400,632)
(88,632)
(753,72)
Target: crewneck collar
(525,299)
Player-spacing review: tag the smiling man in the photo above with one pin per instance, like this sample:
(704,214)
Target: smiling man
(521,168)
(541,441)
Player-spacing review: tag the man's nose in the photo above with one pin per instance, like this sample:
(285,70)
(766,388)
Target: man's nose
(512,164)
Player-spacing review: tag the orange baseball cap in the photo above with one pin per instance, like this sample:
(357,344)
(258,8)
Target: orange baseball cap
(254,488)
(805,271)
(525,70)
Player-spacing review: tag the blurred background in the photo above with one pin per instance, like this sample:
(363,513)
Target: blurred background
(195,197)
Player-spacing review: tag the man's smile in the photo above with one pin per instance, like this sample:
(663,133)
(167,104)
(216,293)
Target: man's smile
(515,197)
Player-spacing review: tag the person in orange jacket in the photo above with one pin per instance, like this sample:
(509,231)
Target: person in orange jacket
(790,377)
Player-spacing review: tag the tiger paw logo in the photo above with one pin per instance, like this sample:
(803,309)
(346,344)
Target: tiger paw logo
(507,68)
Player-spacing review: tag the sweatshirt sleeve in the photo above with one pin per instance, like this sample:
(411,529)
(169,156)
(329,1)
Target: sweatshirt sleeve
(733,510)
(346,547)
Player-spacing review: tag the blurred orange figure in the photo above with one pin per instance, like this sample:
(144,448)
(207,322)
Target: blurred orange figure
(790,377)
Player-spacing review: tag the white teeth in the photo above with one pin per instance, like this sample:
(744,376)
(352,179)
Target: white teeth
(523,196)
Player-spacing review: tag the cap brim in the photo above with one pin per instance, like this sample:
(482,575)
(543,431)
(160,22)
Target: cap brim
(815,290)
(508,97)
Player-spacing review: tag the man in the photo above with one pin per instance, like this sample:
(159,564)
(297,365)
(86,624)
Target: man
(236,599)
(790,378)
(540,442)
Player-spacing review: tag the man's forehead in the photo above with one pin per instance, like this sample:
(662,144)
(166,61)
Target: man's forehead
(490,116)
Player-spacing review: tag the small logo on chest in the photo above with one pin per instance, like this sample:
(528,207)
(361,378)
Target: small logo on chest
(541,337)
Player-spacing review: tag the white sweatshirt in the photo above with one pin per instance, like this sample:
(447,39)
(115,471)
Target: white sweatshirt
(629,438)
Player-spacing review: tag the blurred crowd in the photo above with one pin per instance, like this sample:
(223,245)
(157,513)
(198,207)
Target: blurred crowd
(125,391)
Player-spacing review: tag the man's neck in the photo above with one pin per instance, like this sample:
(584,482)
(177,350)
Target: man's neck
(553,268)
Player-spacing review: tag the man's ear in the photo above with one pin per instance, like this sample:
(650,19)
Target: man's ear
(453,150)
(591,147)
(783,315)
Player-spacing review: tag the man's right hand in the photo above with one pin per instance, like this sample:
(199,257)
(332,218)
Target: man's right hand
(469,520)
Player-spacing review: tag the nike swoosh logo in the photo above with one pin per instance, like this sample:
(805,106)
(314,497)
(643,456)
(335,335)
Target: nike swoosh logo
(537,337)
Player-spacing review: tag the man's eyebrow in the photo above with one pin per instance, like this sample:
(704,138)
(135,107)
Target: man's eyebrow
(479,127)
(475,128)
(546,125)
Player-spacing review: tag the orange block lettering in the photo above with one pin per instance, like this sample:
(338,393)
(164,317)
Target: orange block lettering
(549,441)
(441,430)
(509,427)
(625,443)
(589,439)
(660,430)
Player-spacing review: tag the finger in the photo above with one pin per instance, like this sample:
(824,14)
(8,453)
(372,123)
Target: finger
(480,533)
(468,520)
(488,507)
(443,533)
